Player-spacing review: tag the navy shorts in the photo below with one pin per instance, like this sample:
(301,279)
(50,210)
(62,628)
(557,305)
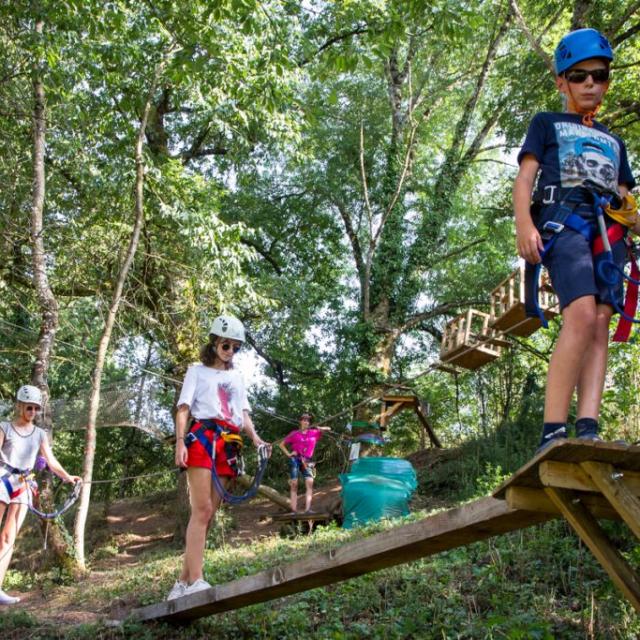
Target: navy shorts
(296,468)
(571,267)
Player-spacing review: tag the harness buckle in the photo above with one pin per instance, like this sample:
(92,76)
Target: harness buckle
(555,227)
(190,438)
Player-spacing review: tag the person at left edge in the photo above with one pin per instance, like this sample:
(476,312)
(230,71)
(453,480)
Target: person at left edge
(21,441)
(212,390)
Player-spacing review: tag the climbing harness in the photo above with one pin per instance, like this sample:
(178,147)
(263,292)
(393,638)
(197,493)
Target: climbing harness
(306,464)
(17,481)
(601,238)
(233,452)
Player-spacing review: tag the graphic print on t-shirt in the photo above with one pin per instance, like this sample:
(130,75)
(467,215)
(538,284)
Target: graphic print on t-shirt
(585,153)
(225,395)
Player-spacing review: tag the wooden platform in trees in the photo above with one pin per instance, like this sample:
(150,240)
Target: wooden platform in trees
(393,404)
(469,342)
(507,304)
(573,479)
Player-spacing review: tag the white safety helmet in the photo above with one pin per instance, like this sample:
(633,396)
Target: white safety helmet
(29,394)
(228,327)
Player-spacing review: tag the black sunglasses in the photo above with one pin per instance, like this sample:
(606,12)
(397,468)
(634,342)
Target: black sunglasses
(578,76)
(226,346)
(33,407)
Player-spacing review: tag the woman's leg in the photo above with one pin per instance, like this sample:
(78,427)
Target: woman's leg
(204,500)
(15,515)
(293,494)
(309,493)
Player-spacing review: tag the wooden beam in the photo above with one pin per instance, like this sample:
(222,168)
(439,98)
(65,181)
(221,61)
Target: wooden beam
(300,517)
(446,530)
(424,421)
(387,414)
(618,491)
(392,399)
(537,500)
(594,537)
(569,475)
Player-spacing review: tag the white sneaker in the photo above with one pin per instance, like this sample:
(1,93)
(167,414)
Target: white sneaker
(198,585)
(177,591)
(5,598)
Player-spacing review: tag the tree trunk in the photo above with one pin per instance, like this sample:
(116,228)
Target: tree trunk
(56,540)
(96,380)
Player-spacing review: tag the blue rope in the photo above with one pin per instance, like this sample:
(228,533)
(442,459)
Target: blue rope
(252,490)
(68,503)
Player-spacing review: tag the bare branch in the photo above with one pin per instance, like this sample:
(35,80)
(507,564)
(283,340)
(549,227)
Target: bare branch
(331,41)
(615,26)
(535,44)
(263,252)
(627,34)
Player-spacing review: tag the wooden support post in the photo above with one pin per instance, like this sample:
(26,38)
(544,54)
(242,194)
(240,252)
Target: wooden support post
(422,417)
(618,492)
(387,414)
(594,537)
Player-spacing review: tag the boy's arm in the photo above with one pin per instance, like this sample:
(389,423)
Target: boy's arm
(527,236)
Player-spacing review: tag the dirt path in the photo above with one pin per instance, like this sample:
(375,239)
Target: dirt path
(131,529)
(134,527)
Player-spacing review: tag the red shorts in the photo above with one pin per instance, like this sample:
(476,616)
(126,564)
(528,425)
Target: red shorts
(197,455)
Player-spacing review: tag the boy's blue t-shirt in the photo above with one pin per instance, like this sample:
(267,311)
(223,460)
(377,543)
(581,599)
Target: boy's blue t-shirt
(569,153)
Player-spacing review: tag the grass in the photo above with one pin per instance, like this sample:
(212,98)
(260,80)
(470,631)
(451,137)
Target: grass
(536,583)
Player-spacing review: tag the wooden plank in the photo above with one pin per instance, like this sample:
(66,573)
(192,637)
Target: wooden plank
(619,490)
(300,517)
(623,456)
(537,500)
(565,475)
(393,399)
(594,537)
(568,475)
(470,357)
(460,526)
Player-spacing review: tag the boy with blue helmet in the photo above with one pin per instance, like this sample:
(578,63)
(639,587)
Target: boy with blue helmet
(574,160)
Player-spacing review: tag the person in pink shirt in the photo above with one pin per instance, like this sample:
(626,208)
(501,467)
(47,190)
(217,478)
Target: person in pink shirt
(303,443)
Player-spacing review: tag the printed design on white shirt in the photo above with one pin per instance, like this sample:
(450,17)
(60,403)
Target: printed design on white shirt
(225,395)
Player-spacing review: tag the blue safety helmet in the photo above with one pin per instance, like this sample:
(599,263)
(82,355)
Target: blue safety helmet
(580,45)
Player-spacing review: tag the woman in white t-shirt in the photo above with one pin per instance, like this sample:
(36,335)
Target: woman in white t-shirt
(214,392)
(20,443)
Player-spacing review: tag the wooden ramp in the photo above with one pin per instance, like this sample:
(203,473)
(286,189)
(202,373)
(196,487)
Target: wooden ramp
(523,501)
